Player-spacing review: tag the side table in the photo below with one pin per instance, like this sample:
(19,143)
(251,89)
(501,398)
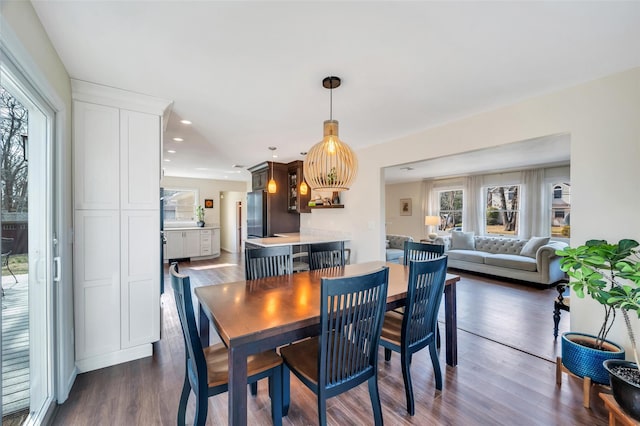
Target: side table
(616,415)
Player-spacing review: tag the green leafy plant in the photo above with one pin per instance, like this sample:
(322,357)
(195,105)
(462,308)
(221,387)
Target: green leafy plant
(200,213)
(610,274)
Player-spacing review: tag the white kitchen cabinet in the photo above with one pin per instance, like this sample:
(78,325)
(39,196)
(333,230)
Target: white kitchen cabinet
(215,242)
(192,243)
(117,146)
(183,243)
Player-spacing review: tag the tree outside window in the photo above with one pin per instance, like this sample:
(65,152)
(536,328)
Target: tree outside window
(561,210)
(502,210)
(450,213)
(13,153)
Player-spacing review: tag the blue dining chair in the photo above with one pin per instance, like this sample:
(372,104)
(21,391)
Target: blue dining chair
(206,369)
(326,255)
(421,251)
(416,329)
(346,352)
(268,262)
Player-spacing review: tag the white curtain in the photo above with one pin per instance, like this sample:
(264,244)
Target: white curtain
(429,203)
(534,209)
(473,213)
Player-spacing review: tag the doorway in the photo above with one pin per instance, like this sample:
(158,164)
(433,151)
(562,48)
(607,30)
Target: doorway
(26,220)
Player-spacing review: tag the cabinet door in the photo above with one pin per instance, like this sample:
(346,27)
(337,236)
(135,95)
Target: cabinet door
(191,243)
(140,278)
(97,282)
(139,160)
(96,144)
(175,244)
(259,179)
(215,242)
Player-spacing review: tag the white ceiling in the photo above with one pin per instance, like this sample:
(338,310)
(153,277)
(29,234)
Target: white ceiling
(248,74)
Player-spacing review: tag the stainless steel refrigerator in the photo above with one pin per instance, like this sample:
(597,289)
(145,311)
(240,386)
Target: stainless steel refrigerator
(257,214)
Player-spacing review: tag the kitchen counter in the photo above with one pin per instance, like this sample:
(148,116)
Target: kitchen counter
(291,239)
(191,228)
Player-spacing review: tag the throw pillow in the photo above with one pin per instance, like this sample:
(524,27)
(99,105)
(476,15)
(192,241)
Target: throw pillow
(462,240)
(532,246)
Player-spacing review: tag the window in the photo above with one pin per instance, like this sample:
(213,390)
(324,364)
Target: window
(502,210)
(560,210)
(450,213)
(178,205)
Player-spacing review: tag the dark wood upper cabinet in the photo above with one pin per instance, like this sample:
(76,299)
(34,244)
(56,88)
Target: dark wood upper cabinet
(298,203)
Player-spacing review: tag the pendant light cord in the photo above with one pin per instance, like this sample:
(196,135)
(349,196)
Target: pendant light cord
(331,101)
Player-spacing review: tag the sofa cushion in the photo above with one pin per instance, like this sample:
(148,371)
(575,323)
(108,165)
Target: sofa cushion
(511,261)
(499,245)
(394,255)
(462,240)
(531,247)
(467,255)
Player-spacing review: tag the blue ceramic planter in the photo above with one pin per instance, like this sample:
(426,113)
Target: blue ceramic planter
(585,361)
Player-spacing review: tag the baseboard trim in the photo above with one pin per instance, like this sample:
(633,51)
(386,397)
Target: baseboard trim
(113,358)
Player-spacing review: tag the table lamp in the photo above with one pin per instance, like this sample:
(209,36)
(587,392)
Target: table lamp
(431,221)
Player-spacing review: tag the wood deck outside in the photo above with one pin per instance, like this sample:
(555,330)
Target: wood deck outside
(15,345)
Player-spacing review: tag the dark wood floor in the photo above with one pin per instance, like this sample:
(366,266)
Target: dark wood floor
(494,383)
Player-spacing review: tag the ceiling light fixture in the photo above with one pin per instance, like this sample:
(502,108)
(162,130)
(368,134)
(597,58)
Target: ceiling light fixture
(185,121)
(330,164)
(171,151)
(178,139)
(271,186)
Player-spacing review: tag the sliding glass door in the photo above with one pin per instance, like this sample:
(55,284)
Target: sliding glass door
(28,251)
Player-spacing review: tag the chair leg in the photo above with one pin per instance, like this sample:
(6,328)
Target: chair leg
(202,406)
(387,354)
(184,398)
(322,410)
(286,390)
(9,269)
(408,388)
(254,388)
(375,400)
(433,351)
(275,384)
(556,321)
(438,335)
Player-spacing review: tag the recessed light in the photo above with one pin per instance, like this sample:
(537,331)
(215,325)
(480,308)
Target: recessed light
(171,151)
(178,139)
(167,160)
(202,168)
(185,121)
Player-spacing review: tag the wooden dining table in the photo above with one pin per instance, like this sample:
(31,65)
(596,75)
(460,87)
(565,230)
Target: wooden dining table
(256,315)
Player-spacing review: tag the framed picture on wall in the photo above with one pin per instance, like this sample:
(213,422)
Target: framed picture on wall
(405,206)
(208,204)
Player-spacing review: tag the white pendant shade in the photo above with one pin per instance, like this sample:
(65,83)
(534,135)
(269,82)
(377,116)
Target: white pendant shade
(330,164)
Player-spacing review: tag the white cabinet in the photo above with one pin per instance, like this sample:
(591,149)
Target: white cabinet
(116,180)
(192,243)
(182,244)
(205,242)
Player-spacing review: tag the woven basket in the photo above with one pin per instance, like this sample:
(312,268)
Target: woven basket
(585,361)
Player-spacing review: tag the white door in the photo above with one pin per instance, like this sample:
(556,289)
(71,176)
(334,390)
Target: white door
(35,208)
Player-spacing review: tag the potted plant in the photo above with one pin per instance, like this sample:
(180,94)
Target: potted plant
(200,215)
(610,274)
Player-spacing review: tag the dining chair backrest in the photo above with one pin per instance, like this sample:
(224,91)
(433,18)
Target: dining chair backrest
(7,246)
(424,293)
(268,262)
(326,255)
(193,347)
(421,251)
(351,314)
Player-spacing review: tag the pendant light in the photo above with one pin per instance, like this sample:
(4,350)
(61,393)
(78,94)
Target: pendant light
(271,186)
(304,188)
(330,164)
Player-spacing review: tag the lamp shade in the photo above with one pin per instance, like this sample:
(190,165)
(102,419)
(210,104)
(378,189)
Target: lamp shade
(330,164)
(432,220)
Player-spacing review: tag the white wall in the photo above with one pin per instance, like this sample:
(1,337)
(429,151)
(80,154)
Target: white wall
(207,189)
(602,118)
(24,39)
(405,225)
(228,220)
